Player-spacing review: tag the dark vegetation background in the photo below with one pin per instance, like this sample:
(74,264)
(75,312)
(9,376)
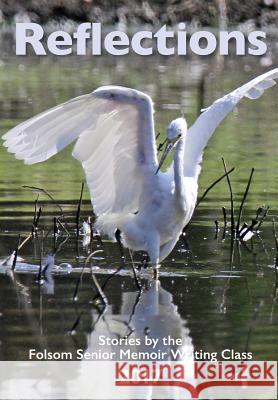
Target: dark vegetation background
(203,12)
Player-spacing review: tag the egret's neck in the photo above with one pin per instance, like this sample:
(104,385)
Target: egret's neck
(178,171)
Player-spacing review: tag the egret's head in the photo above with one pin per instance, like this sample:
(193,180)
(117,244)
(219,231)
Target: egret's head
(175,132)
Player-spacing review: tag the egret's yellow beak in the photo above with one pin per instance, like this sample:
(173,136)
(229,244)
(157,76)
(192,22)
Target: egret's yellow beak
(168,148)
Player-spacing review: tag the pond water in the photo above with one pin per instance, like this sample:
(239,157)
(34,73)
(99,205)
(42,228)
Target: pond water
(217,293)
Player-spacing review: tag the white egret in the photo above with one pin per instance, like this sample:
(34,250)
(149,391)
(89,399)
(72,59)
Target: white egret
(115,134)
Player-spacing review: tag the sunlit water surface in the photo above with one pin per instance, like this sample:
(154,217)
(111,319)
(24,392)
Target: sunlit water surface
(225,293)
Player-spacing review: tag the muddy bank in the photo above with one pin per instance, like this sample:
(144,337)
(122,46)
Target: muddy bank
(204,13)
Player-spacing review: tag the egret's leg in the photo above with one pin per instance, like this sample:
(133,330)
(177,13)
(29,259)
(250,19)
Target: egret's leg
(156,272)
(119,241)
(153,251)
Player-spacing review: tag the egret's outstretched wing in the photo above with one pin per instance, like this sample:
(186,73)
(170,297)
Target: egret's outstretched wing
(115,142)
(200,132)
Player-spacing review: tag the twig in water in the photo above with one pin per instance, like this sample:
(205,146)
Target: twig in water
(231,197)
(39,277)
(24,241)
(208,189)
(55,227)
(274,297)
(232,252)
(259,212)
(243,200)
(55,234)
(263,217)
(15,254)
(78,319)
(250,250)
(35,214)
(77,218)
(216,229)
(99,289)
(38,218)
(40,190)
(224,218)
(75,294)
(138,297)
(62,226)
(91,229)
(212,185)
(58,248)
(76,323)
(274,233)
(108,279)
(12,259)
(276,244)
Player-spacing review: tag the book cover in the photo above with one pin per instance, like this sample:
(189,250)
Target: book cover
(138,207)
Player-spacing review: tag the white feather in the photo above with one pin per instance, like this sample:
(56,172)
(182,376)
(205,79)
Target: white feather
(203,128)
(115,143)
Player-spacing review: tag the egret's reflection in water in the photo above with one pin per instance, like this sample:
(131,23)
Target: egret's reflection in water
(147,317)
(150,316)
